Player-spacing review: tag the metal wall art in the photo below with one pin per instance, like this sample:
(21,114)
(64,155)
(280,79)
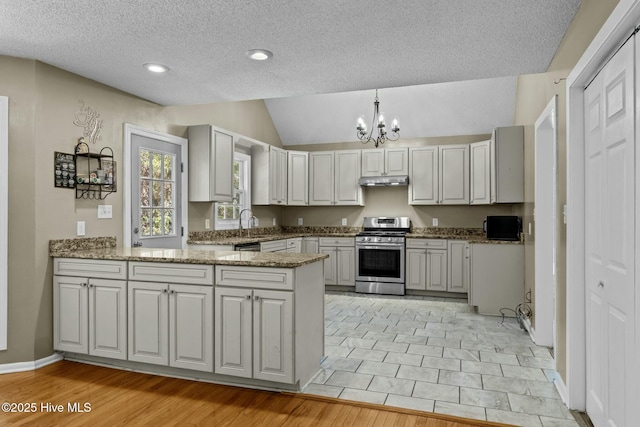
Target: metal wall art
(89,119)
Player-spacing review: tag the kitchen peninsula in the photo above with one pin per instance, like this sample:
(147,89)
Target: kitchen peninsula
(247,318)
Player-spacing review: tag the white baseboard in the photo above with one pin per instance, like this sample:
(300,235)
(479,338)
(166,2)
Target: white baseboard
(561,387)
(9,368)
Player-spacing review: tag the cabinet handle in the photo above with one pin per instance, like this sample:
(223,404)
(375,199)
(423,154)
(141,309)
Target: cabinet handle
(256,297)
(164,291)
(83,285)
(248,297)
(91,285)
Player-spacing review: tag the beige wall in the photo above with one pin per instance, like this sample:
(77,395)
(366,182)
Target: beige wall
(533,94)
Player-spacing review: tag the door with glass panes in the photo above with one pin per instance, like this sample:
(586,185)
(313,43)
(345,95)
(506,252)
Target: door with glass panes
(156,193)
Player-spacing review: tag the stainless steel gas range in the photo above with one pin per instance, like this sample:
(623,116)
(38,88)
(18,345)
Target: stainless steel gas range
(380,254)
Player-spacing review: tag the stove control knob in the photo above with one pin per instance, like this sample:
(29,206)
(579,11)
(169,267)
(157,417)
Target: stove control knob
(378,239)
(389,239)
(366,239)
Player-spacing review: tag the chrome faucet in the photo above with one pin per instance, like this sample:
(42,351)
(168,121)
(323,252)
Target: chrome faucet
(240,220)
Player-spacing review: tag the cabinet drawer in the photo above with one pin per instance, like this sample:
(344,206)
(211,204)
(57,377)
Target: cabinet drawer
(337,241)
(276,245)
(194,274)
(427,243)
(254,277)
(101,269)
(291,243)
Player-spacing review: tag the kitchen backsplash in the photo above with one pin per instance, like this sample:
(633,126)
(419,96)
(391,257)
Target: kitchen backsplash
(81,243)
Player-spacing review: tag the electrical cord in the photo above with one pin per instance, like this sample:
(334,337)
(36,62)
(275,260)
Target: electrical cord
(521,312)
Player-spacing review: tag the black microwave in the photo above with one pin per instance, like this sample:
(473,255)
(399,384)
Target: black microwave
(503,227)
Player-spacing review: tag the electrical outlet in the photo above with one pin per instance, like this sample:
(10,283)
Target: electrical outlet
(80,228)
(207,224)
(299,221)
(344,221)
(274,222)
(529,229)
(105,212)
(434,222)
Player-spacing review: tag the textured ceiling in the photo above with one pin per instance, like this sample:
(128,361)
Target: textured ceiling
(319,46)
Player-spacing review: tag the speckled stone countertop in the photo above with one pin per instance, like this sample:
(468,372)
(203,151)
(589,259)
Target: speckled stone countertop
(105,248)
(266,234)
(473,235)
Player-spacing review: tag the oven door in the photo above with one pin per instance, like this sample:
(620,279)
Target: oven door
(377,263)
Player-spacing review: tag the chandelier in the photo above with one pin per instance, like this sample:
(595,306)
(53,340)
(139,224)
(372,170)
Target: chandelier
(378,122)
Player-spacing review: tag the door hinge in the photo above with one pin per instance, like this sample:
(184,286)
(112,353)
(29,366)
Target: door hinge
(182,231)
(182,167)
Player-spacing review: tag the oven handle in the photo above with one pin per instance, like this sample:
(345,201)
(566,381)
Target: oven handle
(380,246)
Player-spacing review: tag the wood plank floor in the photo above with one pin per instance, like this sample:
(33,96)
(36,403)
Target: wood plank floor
(125,398)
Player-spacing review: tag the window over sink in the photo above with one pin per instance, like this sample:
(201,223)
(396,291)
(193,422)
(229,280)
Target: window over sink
(227,214)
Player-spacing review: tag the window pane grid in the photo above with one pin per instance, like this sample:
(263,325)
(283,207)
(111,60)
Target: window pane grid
(157,198)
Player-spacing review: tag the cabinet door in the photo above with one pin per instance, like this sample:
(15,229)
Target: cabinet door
(329,265)
(70,314)
(373,162)
(423,176)
(108,318)
(221,177)
(396,161)
(273,336)
(480,166)
(148,331)
(458,266)
(454,174)
(347,174)
(277,176)
(436,270)
(416,272)
(233,347)
(345,266)
(321,176)
(297,178)
(310,245)
(191,327)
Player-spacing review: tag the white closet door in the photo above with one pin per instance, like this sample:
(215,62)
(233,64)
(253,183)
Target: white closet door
(610,231)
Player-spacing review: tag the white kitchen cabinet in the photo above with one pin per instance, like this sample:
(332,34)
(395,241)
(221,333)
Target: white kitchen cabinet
(507,165)
(426,265)
(497,277)
(458,266)
(294,245)
(210,164)
(90,313)
(171,324)
(310,245)
(439,175)
(480,173)
(268,176)
(436,270)
(254,328)
(385,162)
(170,312)
(297,178)
(454,174)
(333,178)
(274,246)
(415,274)
(339,268)
(423,176)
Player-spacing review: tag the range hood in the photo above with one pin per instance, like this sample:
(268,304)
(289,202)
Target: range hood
(383,181)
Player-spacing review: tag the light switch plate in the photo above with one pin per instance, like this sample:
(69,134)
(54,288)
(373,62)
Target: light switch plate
(105,211)
(299,221)
(434,222)
(344,221)
(80,228)
(207,224)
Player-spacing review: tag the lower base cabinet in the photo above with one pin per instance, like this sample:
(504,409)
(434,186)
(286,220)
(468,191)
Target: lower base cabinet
(254,334)
(171,324)
(339,268)
(426,268)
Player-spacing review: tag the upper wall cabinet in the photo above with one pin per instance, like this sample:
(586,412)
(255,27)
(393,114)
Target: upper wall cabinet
(480,169)
(333,178)
(268,176)
(439,175)
(297,178)
(385,161)
(507,165)
(210,164)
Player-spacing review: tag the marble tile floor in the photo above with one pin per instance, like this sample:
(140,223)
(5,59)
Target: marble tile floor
(433,354)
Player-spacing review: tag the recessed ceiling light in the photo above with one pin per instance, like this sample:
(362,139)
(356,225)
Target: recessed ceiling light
(156,68)
(259,54)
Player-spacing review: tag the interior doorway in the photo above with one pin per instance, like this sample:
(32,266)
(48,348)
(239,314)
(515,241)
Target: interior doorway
(546,189)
